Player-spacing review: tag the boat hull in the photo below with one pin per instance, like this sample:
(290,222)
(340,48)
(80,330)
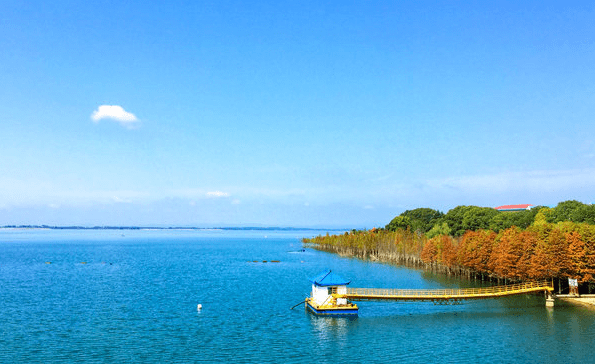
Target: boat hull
(347,310)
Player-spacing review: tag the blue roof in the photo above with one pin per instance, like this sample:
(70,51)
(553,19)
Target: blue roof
(328,278)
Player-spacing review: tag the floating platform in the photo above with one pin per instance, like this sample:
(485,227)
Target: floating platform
(349,309)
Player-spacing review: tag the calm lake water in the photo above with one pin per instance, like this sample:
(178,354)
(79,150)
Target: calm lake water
(135,300)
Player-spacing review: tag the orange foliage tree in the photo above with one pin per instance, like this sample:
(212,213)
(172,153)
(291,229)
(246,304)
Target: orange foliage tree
(429,251)
(447,251)
(558,253)
(475,250)
(507,252)
(577,257)
(527,242)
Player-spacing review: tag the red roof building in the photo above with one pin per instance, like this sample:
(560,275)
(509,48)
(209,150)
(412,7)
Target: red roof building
(514,207)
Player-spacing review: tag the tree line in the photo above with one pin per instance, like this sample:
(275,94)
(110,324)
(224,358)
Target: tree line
(542,251)
(464,218)
(480,242)
(400,246)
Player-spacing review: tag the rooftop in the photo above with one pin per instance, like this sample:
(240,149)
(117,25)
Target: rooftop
(514,207)
(328,278)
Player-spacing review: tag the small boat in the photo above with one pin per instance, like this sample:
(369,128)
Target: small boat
(349,309)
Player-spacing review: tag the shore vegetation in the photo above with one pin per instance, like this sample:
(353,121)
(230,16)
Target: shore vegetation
(483,243)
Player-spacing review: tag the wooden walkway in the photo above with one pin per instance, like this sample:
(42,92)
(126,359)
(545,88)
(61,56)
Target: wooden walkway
(444,295)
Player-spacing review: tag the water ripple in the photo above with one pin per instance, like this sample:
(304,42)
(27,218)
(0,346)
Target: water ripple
(135,301)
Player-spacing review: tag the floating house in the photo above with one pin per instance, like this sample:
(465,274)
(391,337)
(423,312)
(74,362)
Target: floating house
(514,207)
(323,300)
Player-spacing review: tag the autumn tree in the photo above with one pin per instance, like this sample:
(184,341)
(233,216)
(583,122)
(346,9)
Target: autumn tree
(577,255)
(581,252)
(527,241)
(541,265)
(429,251)
(506,254)
(475,250)
(446,251)
(558,249)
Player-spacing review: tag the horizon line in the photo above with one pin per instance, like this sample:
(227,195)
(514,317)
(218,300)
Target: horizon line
(133,227)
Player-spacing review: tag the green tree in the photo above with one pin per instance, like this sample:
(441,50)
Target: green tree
(399,222)
(438,229)
(565,210)
(507,219)
(420,220)
(501,221)
(476,218)
(454,219)
(543,217)
(423,219)
(584,213)
(525,218)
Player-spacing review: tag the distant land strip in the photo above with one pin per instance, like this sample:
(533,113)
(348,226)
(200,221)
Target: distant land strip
(266,228)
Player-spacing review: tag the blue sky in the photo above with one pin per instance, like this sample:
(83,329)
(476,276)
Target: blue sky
(305,113)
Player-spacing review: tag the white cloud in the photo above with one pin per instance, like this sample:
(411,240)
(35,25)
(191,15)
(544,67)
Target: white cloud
(116,113)
(217,194)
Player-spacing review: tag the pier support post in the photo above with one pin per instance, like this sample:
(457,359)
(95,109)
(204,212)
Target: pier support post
(549,299)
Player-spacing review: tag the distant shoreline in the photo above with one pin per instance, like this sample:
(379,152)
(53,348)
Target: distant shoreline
(273,228)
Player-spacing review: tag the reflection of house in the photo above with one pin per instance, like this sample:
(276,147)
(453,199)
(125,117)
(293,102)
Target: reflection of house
(514,207)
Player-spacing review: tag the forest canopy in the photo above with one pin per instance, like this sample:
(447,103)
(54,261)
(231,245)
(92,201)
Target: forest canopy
(472,218)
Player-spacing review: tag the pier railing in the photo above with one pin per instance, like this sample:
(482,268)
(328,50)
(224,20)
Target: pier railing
(445,294)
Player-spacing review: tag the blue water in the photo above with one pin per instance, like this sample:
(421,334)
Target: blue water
(135,300)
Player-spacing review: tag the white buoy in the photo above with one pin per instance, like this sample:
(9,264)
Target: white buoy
(198,307)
